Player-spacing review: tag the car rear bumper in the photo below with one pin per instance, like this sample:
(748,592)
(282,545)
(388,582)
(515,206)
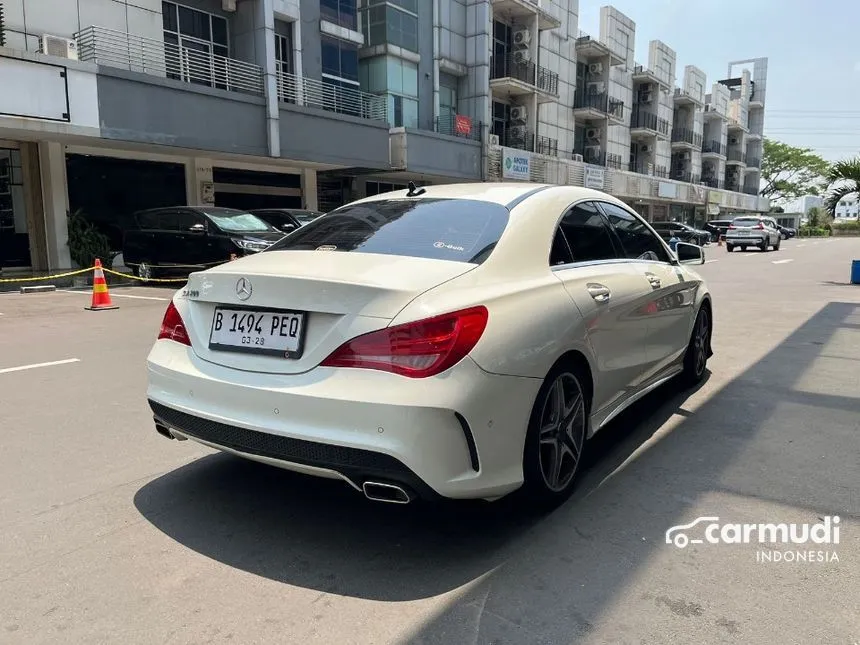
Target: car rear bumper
(459,435)
(751,241)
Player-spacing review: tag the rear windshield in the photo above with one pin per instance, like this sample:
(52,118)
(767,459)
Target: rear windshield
(746,221)
(461,230)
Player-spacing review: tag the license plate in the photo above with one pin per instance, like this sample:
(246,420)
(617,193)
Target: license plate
(254,331)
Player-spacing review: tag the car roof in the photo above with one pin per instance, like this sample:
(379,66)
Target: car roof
(508,194)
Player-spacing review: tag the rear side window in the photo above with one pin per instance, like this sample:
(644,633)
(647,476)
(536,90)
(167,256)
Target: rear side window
(586,234)
(460,230)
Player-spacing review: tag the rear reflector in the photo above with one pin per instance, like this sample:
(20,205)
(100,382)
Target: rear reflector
(419,349)
(173,327)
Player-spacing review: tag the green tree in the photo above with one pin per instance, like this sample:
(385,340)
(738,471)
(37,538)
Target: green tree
(817,217)
(844,180)
(789,172)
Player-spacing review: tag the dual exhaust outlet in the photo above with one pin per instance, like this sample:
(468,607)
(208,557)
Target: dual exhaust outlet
(373,490)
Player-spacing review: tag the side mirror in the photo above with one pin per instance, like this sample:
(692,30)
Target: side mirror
(288,227)
(198,229)
(689,253)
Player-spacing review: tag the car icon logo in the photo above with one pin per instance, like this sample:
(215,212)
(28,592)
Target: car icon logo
(243,289)
(677,534)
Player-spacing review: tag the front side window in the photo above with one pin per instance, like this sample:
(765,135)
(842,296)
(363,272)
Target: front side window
(586,234)
(458,230)
(638,242)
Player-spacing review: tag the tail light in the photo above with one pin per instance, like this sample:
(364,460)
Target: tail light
(731,227)
(418,349)
(173,327)
(760,225)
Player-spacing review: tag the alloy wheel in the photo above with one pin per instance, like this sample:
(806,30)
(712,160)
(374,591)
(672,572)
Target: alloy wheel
(144,271)
(700,342)
(562,432)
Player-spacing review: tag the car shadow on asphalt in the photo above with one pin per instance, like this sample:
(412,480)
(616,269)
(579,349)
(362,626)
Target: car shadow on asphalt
(536,578)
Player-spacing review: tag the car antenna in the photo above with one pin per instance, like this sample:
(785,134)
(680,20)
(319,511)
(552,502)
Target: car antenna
(414,190)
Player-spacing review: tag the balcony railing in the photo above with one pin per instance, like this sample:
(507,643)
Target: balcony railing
(649,121)
(750,190)
(158,58)
(685,135)
(527,140)
(753,161)
(457,125)
(713,183)
(714,147)
(601,102)
(681,175)
(645,168)
(333,98)
(736,155)
(525,72)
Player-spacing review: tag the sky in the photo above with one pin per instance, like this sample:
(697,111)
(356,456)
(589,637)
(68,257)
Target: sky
(813,84)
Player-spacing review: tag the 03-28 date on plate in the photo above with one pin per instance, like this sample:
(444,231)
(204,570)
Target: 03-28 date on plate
(261,332)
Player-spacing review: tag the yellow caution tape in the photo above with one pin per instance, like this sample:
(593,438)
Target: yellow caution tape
(134,277)
(48,277)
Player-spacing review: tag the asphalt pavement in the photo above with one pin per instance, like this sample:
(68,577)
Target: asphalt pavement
(110,533)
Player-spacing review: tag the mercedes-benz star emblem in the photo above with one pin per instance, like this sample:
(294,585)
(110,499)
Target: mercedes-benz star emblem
(243,289)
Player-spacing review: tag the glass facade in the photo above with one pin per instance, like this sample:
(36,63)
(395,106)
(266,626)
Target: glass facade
(195,36)
(396,79)
(394,22)
(340,12)
(14,238)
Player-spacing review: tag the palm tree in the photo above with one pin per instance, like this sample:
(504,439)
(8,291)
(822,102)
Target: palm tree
(843,180)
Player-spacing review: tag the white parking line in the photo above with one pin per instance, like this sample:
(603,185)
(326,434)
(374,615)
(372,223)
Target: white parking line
(118,295)
(709,261)
(797,246)
(783,261)
(21,368)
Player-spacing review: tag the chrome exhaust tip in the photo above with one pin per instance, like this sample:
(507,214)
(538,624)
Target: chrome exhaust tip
(164,431)
(389,493)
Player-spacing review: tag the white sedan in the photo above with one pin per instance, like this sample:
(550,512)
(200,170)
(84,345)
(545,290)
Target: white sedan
(459,341)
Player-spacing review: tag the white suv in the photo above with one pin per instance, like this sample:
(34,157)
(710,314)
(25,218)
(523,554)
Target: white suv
(753,231)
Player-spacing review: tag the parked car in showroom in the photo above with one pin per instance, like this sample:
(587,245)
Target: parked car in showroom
(682,232)
(286,219)
(761,232)
(454,341)
(181,239)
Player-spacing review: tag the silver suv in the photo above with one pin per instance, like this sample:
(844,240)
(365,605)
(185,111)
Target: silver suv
(761,232)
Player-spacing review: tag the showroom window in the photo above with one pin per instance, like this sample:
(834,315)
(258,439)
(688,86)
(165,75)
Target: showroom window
(391,21)
(340,12)
(397,80)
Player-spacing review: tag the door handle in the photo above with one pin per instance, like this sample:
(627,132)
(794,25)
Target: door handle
(599,292)
(654,280)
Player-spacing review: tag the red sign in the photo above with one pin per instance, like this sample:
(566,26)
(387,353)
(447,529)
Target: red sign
(462,124)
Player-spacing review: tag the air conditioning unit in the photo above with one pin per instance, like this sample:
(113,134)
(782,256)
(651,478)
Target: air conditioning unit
(228,5)
(596,88)
(734,141)
(593,134)
(522,56)
(595,69)
(493,139)
(577,157)
(645,97)
(58,46)
(646,87)
(522,37)
(686,155)
(646,147)
(519,113)
(518,132)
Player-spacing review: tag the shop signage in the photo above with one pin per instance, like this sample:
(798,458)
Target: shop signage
(516,164)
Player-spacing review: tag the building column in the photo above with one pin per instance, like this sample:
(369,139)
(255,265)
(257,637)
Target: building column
(199,184)
(310,194)
(34,206)
(55,198)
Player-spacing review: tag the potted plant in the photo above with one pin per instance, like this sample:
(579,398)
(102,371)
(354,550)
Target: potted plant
(86,243)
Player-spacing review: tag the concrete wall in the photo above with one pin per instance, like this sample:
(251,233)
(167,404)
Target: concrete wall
(319,136)
(661,61)
(148,109)
(558,54)
(436,154)
(310,39)
(426,108)
(618,32)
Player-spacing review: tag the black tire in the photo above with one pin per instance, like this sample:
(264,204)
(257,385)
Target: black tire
(698,349)
(743,248)
(548,437)
(729,248)
(764,246)
(776,246)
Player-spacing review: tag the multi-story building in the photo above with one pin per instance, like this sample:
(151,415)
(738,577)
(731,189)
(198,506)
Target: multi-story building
(848,208)
(120,105)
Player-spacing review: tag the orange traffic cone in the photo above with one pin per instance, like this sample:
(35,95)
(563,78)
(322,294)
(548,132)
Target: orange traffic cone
(101,297)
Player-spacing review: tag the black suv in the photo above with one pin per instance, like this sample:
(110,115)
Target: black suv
(681,231)
(286,219)
(717,228)
(182,239)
